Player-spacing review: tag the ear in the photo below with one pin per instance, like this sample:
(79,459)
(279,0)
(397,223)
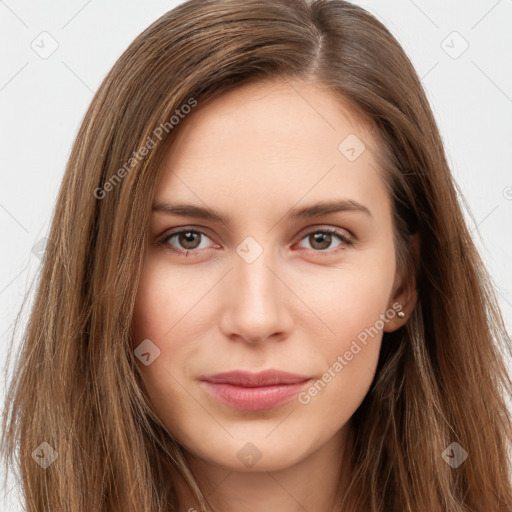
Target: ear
(404,294)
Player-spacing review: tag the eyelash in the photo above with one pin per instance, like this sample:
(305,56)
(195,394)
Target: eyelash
(163,241)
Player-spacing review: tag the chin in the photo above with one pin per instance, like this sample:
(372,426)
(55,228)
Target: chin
(256,455)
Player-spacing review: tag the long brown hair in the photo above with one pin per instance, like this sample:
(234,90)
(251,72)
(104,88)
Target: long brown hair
(440,379)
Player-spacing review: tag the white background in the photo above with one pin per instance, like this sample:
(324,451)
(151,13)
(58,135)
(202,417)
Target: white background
(43,101)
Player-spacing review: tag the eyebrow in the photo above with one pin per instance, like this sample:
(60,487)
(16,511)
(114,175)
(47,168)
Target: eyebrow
(306,212)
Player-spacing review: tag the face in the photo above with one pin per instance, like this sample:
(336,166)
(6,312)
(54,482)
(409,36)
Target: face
(295,273)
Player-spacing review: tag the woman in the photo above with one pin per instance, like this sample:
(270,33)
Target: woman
(259,290)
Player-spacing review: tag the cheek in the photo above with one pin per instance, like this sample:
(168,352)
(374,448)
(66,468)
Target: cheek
(354,304)
(350,297)
(164,299)
(347,368)
(165,312)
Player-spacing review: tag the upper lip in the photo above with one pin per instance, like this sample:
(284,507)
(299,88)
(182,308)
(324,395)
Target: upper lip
(269,377)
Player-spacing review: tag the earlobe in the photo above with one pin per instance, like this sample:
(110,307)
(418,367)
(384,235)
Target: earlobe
(404,296)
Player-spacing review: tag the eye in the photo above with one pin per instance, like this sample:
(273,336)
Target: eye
(188,241)
(321,239)
(185,242)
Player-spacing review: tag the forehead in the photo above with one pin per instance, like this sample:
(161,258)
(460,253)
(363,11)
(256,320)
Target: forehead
(264,144)
(281,112)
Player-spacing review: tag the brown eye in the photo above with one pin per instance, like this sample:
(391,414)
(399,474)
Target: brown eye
(185,241)
(321,240)
(189,239)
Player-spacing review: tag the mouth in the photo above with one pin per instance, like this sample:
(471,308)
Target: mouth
(254,391)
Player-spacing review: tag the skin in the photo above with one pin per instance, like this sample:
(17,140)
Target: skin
(253,154)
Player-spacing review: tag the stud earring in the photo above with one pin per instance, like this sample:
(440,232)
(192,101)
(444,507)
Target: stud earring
(401,314)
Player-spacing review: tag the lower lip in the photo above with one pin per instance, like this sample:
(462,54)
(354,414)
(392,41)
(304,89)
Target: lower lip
(253,399)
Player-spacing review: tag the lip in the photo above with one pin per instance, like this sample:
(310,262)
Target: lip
(254,391)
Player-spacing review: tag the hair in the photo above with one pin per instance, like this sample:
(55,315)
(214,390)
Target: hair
(441,378)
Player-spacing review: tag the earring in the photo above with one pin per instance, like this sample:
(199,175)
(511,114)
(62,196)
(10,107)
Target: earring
(401,314)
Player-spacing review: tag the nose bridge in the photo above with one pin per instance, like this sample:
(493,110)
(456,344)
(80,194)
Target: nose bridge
(257,286)
(255,307)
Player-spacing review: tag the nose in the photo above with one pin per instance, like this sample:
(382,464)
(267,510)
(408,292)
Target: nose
(254,304)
